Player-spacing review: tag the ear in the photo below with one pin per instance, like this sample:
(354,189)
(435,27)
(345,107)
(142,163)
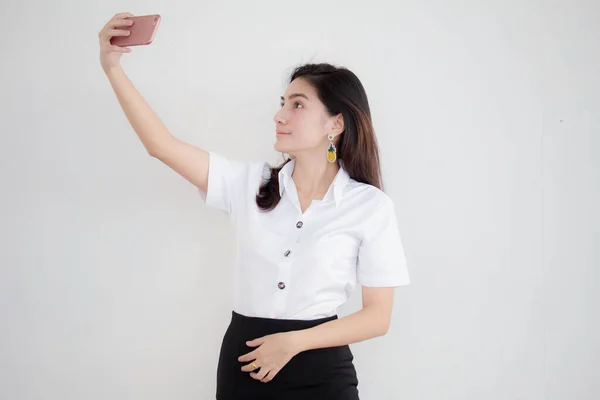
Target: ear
(337,126)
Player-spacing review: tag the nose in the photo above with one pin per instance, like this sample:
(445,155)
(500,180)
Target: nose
(279,117)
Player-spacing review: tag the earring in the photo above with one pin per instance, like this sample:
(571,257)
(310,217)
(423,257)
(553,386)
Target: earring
(331,151)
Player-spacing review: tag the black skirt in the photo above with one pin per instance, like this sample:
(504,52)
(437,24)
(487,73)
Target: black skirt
(327,373)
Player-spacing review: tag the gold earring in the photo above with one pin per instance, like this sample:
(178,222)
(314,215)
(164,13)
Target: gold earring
(331,151)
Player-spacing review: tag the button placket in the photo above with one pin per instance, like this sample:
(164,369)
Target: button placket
(287,264)
(299,225)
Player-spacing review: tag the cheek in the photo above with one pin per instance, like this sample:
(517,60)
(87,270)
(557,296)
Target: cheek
(310,127)
(310,138)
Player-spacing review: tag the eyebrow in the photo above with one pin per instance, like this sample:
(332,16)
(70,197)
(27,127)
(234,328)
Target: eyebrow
(291,96)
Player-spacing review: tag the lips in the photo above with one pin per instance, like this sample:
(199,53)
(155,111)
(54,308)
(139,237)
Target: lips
(283,133)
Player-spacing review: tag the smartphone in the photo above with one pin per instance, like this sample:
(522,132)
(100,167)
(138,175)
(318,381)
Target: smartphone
(142,31)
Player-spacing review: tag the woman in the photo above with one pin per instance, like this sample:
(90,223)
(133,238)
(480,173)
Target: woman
(307,231)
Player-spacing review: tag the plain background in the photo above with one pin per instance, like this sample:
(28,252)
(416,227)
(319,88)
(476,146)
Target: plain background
(116,280)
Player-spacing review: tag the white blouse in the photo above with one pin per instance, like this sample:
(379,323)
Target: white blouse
(291,265)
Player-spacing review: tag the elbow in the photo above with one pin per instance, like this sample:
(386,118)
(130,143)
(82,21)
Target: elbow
(158,148)
(381,326)
(380,322)
(155,152)
(384,322)
(384,329)
(152,152)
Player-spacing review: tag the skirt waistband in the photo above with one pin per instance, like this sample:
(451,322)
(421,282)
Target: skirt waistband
(276,325)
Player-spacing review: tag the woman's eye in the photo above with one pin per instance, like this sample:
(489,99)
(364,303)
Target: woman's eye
(296,104)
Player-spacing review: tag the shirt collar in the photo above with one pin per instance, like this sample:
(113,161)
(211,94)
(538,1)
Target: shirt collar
(338,184)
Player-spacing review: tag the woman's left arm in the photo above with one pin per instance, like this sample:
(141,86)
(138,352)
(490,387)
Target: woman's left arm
(274,351)
(371,321)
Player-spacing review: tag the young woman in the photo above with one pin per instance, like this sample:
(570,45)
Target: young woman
(307,232)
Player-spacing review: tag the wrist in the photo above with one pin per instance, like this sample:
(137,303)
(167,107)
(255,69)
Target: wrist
(111,70)
(300,340)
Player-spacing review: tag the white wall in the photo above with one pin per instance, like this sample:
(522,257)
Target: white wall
(115,279)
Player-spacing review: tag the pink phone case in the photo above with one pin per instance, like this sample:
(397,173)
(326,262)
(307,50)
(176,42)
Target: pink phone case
(142,31)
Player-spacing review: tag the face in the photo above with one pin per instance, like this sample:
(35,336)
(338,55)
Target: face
(302,123)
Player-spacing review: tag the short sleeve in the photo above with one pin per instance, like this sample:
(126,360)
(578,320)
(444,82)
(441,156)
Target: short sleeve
(381,258)
(230,182)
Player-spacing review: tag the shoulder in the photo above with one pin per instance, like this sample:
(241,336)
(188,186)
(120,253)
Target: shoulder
(237,176)
(251,169)
(367,196)
(373,209)
(259,172)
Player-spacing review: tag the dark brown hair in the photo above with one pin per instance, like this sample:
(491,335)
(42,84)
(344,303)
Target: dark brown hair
(340,90)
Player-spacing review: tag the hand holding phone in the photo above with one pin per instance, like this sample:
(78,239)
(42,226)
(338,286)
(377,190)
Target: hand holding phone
(141,32)
(122,30)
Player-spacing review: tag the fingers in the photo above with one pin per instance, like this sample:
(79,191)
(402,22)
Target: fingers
(269,377)
(264,374)
(107,33)
(109,30)
(259,376)
(119,22)
(260,373)
(255,342)
(118,32)
(119,49)
(123,15)
(248,357)
(250,367)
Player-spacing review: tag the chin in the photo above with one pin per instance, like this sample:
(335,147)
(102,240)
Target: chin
(281,149)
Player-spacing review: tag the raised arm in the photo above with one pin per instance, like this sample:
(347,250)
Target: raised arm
(187,160)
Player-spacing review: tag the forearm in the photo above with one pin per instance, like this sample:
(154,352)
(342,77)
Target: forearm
(362,325)
(148,126)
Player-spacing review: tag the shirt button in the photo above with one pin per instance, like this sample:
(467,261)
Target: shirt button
(299,224)
(287,253)
(281,285)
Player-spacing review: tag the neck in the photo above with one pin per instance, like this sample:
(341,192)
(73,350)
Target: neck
(313,175)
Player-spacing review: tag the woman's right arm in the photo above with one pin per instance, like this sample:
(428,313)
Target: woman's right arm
(187,160)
